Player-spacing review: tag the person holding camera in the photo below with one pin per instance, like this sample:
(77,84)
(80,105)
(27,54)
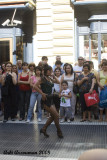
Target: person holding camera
(9,80)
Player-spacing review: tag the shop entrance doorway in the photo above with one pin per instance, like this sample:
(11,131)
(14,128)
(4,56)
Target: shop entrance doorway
(6,46)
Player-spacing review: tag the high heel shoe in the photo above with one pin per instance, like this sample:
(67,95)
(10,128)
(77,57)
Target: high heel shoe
(59,134)
(44,132)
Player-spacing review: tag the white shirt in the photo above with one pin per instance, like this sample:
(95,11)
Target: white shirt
(70,80)
(65,101)
(57,86)
(78,69)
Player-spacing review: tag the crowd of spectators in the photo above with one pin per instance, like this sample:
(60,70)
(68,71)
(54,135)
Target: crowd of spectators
(18,94)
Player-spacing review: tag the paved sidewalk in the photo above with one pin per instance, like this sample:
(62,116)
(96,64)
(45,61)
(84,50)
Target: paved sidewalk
(25,140)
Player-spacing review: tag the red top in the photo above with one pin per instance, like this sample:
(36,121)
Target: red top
(24,87)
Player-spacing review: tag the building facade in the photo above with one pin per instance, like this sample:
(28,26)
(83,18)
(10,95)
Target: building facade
(90,29)
(16,30)
(47,28)
(55,30)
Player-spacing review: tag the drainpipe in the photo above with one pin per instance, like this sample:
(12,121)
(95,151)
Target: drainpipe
(76,3)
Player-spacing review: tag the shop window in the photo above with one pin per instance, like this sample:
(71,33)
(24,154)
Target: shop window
(19,48)
(104,46)
(94,50)
(84,46)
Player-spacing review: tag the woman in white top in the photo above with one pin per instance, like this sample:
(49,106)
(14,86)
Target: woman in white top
(57,89)
(69,77)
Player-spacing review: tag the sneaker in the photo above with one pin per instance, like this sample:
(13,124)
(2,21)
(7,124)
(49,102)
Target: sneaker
(68,120)
(28,121)
(62,120)
(5,120)
(72,119)
(39,120)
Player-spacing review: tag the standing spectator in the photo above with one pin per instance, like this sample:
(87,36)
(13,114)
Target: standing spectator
(78,68)
(57,89)
(95,72)
(69,77)
(65,104)
(19,66)
(100,65)
(58,58)
(9,92)
(25,90)
(32,69)
(58,65)
(35,96)
(86,82)
(15,70)
(102,81)
(3,67)
(0,89)
(45,60)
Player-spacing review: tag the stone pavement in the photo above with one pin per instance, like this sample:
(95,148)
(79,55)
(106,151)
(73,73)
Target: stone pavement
(21,140)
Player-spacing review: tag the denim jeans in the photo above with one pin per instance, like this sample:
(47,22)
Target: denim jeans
(24,100)
(35,96)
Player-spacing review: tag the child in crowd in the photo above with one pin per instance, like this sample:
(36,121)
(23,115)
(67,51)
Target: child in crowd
(65,104)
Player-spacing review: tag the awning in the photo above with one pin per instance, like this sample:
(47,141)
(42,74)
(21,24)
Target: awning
(10,4)
(87,2)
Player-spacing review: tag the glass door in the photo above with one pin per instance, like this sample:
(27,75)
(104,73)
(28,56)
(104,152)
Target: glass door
(103,46)
(88,47)
(6,50)
(94,50)
(84,46)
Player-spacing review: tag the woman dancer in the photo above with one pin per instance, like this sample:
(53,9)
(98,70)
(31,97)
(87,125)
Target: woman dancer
(46,83)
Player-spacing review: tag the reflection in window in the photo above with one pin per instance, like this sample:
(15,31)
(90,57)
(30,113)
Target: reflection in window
(4,51)
(19,48)
(84,46)
(94,45)
(94,50)
(104,46)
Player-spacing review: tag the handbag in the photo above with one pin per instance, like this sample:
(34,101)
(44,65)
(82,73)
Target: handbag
(91,99)
(75,86)
(103,97)
(56,94)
